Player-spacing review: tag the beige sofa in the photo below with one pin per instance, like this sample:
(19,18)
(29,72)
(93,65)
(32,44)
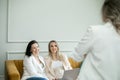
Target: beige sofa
(14,68)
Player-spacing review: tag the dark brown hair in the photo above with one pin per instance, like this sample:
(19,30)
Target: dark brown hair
(28,49)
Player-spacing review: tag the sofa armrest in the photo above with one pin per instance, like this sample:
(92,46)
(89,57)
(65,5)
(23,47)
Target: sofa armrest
(11,70)
(74,64)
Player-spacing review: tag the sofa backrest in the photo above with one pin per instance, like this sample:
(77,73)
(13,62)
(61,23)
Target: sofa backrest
(19,65)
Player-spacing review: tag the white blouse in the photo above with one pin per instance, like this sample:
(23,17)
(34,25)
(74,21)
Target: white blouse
(32,68)
(58,68)
(56,64)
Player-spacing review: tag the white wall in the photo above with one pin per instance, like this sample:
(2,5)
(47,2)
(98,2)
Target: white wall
(60,17)
(67,21)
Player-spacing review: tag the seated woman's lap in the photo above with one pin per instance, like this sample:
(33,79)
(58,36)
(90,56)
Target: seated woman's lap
(36,78)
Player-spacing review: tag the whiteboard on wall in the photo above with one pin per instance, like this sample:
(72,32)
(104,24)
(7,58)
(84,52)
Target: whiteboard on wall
(43,20)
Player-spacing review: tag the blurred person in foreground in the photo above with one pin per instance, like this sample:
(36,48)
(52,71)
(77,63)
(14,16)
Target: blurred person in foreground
(101,43)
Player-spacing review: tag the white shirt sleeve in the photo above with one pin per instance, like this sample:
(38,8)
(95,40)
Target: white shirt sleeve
(83,46)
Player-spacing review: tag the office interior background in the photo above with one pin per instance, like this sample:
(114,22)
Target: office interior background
(65,21)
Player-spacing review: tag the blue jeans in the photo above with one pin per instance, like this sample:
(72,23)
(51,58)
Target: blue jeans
(36,78)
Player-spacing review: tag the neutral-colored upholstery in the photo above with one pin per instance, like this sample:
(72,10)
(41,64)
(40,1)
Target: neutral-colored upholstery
(14,68)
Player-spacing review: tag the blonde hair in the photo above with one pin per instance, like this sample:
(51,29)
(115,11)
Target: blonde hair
(50,53)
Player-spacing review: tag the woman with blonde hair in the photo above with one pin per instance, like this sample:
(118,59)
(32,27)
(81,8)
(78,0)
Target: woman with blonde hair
(56,63)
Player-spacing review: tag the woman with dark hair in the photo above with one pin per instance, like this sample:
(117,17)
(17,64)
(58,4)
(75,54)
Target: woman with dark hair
(102,46)
(33,63)
(56,63)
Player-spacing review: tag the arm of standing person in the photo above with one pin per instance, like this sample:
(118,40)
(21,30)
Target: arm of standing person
(83,46)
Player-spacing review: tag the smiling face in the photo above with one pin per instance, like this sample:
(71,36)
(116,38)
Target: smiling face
(35,49)
(53,47)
